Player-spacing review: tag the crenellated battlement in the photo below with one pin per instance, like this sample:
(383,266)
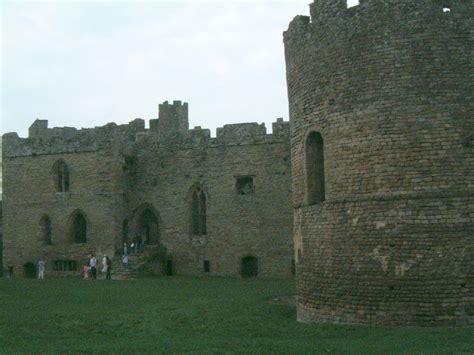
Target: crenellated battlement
(334,18)
(171,128)
(56,140)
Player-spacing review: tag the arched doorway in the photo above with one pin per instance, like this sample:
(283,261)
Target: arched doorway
(29,270)
(147,225)
(249,267)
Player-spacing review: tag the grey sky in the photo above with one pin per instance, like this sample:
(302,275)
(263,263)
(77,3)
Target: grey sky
(84,64)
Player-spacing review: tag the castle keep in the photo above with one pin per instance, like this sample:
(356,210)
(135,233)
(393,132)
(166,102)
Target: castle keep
(381,111)
(218,206)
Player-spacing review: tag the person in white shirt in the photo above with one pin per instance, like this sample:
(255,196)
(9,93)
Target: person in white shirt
(41,265)
(93,264)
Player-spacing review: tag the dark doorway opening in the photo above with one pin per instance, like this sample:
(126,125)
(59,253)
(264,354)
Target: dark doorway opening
(79,228)
(148,227)
(249,267)
(207,266)
(169,267)
(29,270)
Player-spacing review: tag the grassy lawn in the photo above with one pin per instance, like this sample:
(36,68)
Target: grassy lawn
(178,314)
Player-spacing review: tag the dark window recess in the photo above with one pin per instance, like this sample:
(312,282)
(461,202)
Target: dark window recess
(45,230)
(198,212)
(315,186)
(207,266)
(244,185)
(65,265)
(61,176)
(293,267)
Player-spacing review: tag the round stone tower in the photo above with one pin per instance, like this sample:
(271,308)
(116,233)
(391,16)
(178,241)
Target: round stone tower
(381,111)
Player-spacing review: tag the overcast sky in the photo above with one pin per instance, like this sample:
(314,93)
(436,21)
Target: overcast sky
(84,64)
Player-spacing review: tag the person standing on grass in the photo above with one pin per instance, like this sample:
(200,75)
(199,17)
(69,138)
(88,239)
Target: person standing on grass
(108,275)
(41,265)
(93,265)
(104,264)
(85,271)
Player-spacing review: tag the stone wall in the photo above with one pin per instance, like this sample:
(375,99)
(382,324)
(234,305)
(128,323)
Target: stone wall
(119,174)
(385,83)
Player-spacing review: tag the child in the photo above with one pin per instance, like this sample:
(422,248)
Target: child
(85,271)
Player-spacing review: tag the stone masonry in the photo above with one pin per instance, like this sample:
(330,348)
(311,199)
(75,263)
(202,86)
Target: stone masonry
(381,111)
(210,203)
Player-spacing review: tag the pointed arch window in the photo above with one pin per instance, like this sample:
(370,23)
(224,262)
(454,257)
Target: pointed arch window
(198,212)
(45,230)
(61,176)
(314,154)
(78,228)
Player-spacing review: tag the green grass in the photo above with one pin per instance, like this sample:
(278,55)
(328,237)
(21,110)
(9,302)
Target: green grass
(177,314)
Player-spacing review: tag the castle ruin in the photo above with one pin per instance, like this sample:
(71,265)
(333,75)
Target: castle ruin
(202,205)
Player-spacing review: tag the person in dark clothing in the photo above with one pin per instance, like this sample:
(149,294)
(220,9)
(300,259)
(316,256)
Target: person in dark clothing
(108,275)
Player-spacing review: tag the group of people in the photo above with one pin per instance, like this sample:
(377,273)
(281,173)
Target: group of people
(135,246)
(89,270)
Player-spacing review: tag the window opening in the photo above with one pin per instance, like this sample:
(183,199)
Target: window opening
(244,185)
(315,186)
(45,230)
(61,175)
(207,266)
(198,212)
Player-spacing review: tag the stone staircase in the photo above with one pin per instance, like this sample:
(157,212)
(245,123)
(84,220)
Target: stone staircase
(148,262)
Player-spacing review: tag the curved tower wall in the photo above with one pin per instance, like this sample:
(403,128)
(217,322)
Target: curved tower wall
(389,86)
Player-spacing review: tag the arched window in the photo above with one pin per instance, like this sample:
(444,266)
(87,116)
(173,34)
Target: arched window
(314,151)
(198,212)
(45,230)
(78,228)
(61,176)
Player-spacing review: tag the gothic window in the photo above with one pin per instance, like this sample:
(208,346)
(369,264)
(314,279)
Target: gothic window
(79,228)
(314,151)
(45,230)
(61,176)
(198,212)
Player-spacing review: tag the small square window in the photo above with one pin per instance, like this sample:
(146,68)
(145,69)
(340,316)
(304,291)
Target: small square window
(207,266)
(244,185)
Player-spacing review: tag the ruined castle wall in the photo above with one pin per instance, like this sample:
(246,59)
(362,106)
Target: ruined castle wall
(257,224)
(95,189)
(387,85)
(119,174)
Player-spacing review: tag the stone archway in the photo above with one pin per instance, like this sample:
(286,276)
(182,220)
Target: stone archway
(249,266)
(146,223)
